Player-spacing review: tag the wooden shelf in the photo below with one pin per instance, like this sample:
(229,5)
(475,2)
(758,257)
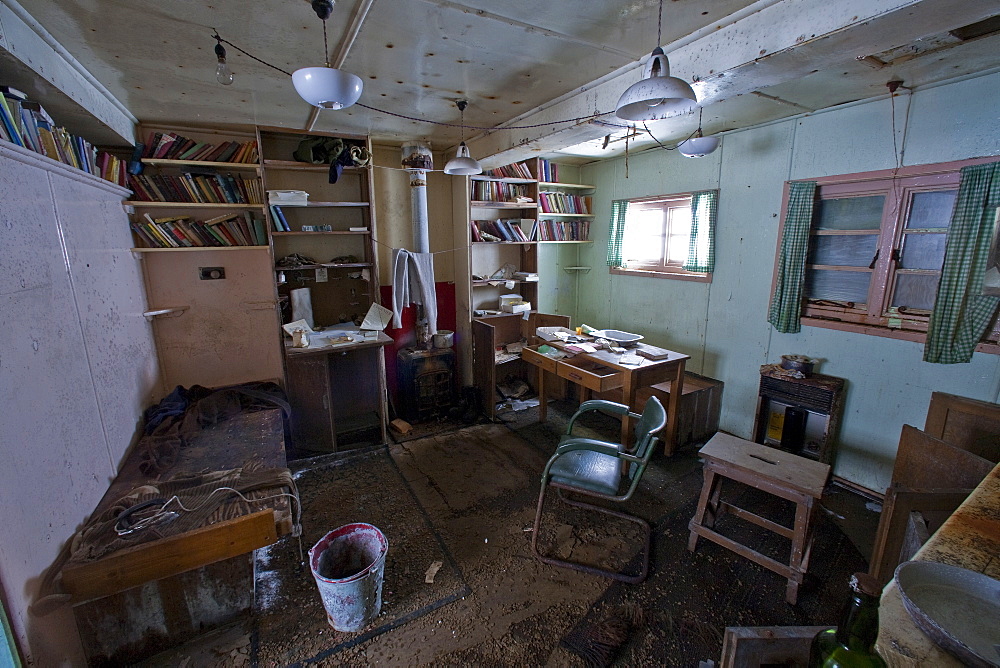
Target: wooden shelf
(530,206)
(491,281)
(499,179)
(500,243)
(321,205)
(585,241)
(160,162)
(190,205)
(198,248)
(299,234)
(325,265)
(296,166)
(574,186)
(542,214)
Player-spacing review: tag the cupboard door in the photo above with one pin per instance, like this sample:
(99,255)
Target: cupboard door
(309,396)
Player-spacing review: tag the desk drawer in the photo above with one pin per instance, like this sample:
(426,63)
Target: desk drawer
(589,374)
(531,355)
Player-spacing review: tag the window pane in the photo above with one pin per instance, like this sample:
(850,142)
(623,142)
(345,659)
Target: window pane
(915,290)
(680,233)
(643,240)
(841,286)
(931,209)
(923,251)
(850,213)
(842,250)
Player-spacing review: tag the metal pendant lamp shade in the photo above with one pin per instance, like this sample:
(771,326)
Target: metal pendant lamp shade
(463,164)
(327,88)
(698,147)
(658,95)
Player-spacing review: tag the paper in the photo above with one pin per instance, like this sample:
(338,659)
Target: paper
(302,306)
(297,324)
(377,318)
(432,571)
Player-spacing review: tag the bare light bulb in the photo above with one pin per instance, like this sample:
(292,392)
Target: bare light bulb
(223,74)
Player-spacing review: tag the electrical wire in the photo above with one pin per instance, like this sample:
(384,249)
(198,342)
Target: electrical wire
(578,119)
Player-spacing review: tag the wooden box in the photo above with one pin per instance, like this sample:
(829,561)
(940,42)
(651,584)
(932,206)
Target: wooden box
(701,405)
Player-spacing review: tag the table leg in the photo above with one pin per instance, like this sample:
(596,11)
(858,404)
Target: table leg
(543,400)
(673,410)
(799,558)
(628,398)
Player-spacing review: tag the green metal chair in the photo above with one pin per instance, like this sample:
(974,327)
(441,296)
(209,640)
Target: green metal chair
(609,471)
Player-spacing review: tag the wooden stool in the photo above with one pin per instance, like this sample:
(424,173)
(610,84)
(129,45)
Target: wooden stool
(774,471)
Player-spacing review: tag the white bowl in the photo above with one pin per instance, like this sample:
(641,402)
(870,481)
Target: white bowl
(616,335)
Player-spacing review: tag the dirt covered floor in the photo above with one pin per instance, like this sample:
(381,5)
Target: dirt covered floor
(466,497)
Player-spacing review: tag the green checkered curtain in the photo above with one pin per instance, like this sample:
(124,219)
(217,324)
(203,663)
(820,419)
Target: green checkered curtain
(618,209)
(961,315)
(786,302)
(701,249)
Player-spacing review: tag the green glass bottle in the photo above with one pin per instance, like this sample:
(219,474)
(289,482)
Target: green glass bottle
(852,644)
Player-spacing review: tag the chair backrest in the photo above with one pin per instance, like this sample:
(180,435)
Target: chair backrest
(647,429)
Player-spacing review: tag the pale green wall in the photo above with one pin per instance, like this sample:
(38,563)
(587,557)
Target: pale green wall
(723,325)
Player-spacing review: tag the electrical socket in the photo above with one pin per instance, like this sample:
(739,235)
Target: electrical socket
(211,273)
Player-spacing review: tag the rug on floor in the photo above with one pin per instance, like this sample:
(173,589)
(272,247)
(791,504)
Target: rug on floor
(690,598)
(291,624)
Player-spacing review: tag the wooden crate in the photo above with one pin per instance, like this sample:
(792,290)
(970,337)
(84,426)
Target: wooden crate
(701,404)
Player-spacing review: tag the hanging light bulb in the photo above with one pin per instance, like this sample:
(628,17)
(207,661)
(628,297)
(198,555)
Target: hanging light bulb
(223,74)
(462,164)
(699,145)
(326,87)
(657,95)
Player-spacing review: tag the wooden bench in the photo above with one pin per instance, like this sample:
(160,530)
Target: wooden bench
(701,405)
(770,470)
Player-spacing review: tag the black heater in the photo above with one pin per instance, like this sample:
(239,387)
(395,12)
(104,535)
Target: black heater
(426,383)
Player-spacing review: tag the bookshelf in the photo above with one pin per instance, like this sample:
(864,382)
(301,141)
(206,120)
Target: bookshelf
(196,190)
(326,244)
(522,208)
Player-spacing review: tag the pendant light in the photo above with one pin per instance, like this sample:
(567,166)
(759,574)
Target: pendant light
(462,164)
(326,87)
(223,74)
(699,145)
(658,95)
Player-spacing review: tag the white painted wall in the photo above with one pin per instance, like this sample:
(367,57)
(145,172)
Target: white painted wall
(77,367)
(723,325)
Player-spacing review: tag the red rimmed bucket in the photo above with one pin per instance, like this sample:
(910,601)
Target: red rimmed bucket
(348,565)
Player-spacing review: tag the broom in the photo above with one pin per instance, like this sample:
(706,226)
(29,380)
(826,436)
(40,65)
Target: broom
(597,644)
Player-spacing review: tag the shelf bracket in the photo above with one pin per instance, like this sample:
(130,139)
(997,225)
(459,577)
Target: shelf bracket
(570,270)
(171,312)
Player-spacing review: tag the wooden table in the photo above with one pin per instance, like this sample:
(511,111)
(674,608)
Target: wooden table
(601,371)
(969,538)
(774,471)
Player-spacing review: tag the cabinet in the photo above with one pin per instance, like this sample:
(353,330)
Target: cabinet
(327,246)
(205,258)
(491,361)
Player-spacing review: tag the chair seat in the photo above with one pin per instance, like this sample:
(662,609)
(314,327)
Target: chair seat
(592,471)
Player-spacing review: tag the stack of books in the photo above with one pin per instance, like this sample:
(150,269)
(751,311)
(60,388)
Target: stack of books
(518,170)
(229,229)
(25,123)
(172,146)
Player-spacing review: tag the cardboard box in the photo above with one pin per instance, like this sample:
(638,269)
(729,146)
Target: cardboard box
(516,307)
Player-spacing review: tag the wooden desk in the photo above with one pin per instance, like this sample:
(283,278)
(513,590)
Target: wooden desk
(601,371)
(335,390)
(782,474)
(970,538)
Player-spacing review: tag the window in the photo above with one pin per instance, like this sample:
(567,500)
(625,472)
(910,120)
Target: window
(664,236)
(875,250)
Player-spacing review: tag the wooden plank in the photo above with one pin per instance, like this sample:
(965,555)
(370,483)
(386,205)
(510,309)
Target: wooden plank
(965,423)
(923,461)
(754,518)
(168,556)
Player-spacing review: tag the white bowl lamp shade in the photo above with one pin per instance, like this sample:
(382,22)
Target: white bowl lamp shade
(327,88)
(698,147)
(462,164)
(658,95)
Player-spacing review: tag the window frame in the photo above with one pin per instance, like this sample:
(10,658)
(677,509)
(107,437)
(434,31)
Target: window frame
(873,317)
(666,270)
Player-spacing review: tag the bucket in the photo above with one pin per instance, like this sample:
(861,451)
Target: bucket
(444,338)
(348,564)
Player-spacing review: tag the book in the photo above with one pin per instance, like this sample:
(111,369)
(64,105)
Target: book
(8,122)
